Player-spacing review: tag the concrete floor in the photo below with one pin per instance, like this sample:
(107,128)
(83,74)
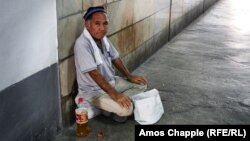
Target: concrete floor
(203,75)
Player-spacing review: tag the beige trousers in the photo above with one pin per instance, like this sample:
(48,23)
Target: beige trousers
(105,102)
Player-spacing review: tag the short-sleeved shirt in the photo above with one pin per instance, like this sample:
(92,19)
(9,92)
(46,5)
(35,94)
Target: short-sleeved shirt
(85,62)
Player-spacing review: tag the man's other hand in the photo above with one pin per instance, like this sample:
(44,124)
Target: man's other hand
(123,100)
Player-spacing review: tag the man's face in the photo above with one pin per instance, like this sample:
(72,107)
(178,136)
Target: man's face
(97,25)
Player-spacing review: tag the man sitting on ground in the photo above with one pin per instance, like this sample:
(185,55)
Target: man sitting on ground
(97,83)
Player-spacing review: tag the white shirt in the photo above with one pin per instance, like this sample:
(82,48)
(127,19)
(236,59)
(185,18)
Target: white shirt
(85,62)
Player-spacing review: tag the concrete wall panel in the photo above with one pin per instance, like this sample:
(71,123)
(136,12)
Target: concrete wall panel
(88,3)
(69,29)
(68,7)
(67,76)
(120,15)
(208,3)
(143,9)
(183,12)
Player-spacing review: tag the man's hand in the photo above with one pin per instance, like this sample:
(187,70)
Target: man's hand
(137,79)
(122,100)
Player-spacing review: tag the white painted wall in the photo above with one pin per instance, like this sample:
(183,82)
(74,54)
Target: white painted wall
(28,38)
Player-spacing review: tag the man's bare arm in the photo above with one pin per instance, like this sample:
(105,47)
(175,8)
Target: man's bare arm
(123,100)
(123,69)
